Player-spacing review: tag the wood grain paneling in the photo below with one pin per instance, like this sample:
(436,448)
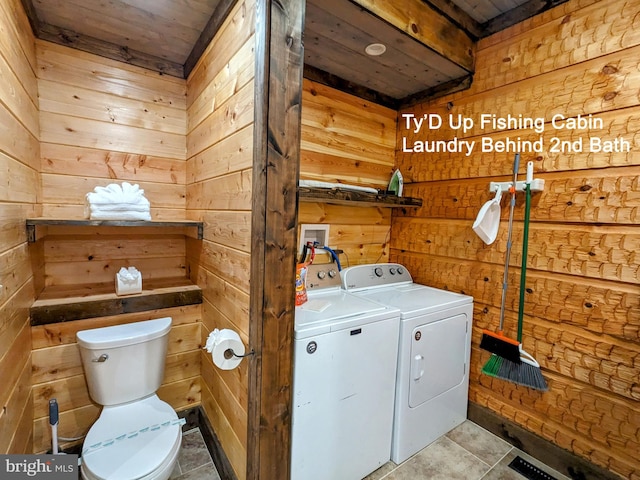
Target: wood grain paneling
(103,122)
(233,34)
(219,191)
(19,197)
(14,409)
(279,67)
(116,166)
(582,316)
(80,69)
(349,140)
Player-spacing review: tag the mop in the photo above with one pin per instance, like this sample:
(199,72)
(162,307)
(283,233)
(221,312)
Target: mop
(527,370)
(500,346)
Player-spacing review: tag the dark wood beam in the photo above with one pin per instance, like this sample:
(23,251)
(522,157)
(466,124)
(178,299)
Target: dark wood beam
(427,26)
(30,10)
(457,16)
(276,165)
(213,25)
(72,39)
(438,91)
(333,81)
(518,14)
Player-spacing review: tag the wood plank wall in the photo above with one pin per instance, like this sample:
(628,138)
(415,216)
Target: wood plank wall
(102,122)
(106,122)
(347,139)
(220,108)
(582,311)
(19,195)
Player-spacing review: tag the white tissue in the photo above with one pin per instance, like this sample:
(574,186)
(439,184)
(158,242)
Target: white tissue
(219,343)
(128,281)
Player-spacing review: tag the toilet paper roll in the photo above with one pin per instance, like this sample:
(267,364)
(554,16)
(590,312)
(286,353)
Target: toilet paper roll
(222,344)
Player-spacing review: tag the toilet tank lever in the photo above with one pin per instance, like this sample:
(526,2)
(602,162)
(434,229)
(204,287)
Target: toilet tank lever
(102,358)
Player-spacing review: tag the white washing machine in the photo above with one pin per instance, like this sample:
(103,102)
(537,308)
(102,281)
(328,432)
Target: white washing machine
(432,386)
(344,371)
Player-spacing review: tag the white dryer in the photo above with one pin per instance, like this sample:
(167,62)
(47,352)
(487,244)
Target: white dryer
(344,374)
(432,383)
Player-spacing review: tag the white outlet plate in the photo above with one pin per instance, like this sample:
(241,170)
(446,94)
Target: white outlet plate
(313,232)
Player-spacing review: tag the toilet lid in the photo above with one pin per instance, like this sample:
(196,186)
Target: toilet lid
(132,440)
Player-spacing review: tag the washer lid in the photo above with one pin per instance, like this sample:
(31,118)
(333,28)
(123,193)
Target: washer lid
(415,298)
(334,310)
(132,440)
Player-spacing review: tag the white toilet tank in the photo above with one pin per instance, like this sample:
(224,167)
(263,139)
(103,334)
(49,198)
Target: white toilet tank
(124,363)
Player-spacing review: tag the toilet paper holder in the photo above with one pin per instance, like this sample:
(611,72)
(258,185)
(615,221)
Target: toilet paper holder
(226,348)
(229,353)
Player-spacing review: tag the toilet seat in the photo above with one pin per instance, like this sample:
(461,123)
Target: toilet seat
(135,441)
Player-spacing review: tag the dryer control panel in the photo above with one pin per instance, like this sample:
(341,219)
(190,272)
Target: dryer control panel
(374,275)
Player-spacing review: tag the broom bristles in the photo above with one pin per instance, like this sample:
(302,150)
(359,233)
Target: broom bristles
(492,367)
(525,372)
(522,373)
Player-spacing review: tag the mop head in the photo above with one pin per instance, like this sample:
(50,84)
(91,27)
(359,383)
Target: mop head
(526,372)
(500,345)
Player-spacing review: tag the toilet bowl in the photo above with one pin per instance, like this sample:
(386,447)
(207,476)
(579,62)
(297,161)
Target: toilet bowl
(138,440)
(137,436)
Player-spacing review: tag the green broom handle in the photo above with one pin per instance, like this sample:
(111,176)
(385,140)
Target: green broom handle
(525,248)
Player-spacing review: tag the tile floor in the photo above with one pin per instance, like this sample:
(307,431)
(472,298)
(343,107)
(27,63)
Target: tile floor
(194,461)
(468,452)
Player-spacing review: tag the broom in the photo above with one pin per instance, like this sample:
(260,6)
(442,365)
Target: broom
(526,371)
(500,346)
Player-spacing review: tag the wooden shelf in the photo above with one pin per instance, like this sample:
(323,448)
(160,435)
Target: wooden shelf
(64,303)
(355,198)
(33,223)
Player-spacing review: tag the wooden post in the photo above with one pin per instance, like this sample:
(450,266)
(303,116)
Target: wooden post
(278,95)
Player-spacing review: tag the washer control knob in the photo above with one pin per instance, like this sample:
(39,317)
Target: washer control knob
(392,270)
(321,274)
(400,270)
(378,271)
(332,273)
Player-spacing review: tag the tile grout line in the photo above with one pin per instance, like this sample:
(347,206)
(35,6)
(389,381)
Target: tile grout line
(498,462)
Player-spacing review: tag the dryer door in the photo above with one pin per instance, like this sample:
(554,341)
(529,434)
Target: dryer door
(438,358)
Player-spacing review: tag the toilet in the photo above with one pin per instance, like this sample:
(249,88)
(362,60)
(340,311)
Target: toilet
(137,436)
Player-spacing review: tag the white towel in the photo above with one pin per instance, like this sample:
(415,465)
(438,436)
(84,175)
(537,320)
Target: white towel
(342,186)
(117,202)
(119,207)
(98,214)
(114,193)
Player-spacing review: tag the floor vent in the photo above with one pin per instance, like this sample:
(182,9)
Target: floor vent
(529,470)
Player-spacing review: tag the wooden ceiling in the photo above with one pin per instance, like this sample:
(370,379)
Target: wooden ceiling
(430,44)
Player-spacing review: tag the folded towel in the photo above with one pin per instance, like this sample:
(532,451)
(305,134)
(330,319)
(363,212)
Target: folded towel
(119,207)
(114,193)
(125,215)
(117,202)
(343,186)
